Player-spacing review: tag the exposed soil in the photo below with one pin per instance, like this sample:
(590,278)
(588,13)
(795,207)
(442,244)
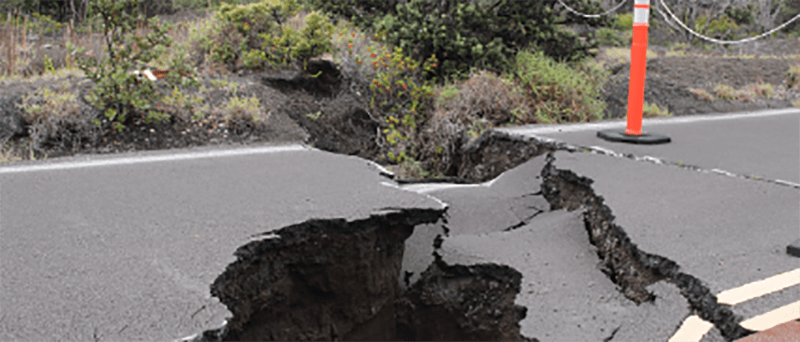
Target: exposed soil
(669,78)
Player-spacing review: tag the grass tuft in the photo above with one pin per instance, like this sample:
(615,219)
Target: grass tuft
(560,93)
(653,111)
(702,94)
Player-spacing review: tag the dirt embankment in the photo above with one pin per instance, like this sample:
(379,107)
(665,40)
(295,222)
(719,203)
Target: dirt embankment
(670,81)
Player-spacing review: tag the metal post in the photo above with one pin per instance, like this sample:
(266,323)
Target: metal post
(633,133)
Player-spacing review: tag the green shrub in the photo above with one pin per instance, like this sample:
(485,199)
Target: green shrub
(280,47)
(258,35)
(448,93)
(242,26)
(315,39)
(465,36)
(254,59)
(399,93)
(118,92)
(725,92)
(716,27)
(178,104)
(624,22)
(463,111)
(742,15)
(48,65)
(193,4)
(241,111)
(55,116)
(609,37)
(210,4)
(362,13)
(559,93)
(652,110)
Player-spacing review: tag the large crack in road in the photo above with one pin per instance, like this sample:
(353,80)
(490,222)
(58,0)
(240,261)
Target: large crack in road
(624,264)
(340,280)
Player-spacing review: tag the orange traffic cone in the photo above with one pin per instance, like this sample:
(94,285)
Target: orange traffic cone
(633,133)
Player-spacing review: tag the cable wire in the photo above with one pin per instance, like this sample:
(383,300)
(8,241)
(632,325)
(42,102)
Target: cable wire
(591,15)
(717,41)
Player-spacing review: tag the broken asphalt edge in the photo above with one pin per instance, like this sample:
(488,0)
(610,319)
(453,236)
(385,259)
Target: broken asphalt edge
(346,273)
(621,260)
(495,151)
(462,303)
(623,263)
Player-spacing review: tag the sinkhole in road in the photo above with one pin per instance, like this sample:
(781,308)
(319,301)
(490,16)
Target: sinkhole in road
(339,280)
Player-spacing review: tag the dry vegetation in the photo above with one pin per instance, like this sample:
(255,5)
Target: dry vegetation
(539,91)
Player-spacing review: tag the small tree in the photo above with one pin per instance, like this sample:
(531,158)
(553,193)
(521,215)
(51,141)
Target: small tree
(483,34)
(258,34)
(119,92)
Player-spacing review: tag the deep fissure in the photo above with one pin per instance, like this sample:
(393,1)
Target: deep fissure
(621,260)
(339,280)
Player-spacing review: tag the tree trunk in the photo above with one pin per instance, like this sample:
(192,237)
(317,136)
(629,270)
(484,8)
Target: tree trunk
(767,19)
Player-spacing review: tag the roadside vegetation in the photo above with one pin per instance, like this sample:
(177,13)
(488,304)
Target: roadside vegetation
(432,93)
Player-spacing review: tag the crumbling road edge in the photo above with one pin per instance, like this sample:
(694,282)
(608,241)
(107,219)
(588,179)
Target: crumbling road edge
(622,261)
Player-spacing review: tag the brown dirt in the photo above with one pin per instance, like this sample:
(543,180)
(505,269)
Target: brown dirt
(669,78)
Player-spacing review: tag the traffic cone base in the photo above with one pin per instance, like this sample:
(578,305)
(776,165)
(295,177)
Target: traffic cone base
(645,138)
(794,249)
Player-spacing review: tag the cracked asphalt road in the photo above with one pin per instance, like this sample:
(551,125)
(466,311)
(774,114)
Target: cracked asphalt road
(125,247)
(128,251)
(720,227)
(715,221)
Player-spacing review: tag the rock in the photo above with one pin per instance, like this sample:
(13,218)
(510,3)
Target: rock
(11,121)
(321,78)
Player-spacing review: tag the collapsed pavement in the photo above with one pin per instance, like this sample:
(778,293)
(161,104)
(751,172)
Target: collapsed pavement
(532,254)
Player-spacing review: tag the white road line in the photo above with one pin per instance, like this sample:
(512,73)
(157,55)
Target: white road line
(430,187)
(150,159)
(779,181)
(392,185)
(775,317)
(424,188)
(578,127)
(759,288)
(692,329)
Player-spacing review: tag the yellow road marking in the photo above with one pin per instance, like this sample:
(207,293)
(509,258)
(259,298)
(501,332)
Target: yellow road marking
(759,288)
(775,317)
(692,329)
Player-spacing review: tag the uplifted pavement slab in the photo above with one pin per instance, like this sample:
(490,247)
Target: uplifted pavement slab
(765,144)
(125,247)
(503,203)
(567,297)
